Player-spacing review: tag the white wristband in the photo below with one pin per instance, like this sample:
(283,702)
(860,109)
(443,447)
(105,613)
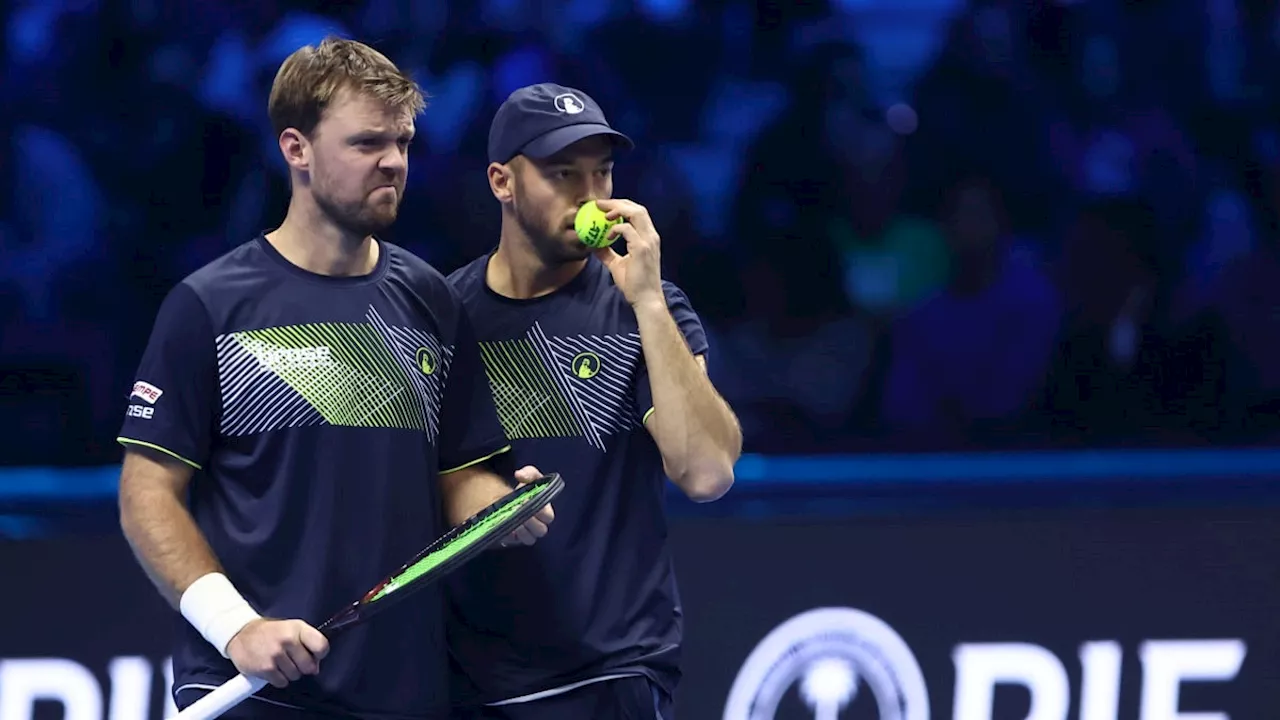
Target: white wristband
(216,609)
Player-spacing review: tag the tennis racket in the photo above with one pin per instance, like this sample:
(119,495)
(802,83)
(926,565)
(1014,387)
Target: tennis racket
(441,557)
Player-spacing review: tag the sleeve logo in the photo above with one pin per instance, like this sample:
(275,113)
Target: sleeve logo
(146,391)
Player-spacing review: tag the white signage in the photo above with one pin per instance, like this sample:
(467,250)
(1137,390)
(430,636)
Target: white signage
(131,682)
(830,654)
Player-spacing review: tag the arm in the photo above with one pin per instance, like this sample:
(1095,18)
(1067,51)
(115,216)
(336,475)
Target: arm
(695,430)
(167,434)
(471,438)
(154,517)
(471,489)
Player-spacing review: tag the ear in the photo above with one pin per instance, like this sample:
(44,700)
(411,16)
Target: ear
(296,149)
(502,181)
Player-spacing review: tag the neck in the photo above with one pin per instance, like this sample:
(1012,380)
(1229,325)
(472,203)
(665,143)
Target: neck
(311,241)
(517,271)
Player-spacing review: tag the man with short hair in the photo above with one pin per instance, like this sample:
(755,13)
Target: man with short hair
(323,389)
(596,364)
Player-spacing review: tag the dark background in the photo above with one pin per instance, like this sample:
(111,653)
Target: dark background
(911,226)
(993,285)
(1054,578)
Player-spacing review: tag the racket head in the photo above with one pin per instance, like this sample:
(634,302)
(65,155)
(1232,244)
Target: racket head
(453,549)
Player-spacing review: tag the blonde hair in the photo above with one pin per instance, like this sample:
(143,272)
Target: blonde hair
(310,78)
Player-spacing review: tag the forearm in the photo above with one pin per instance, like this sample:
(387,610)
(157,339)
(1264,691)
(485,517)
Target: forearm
(470,490)
(165,540)
(695,429)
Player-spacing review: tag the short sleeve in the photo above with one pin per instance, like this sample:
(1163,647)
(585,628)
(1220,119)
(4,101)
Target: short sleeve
(469,429)
(173,402)
(694,334)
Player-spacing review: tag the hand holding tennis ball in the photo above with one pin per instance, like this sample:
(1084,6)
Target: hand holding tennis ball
(638,274)
(593,227)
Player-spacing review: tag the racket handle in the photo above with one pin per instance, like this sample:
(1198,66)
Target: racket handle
(226,696)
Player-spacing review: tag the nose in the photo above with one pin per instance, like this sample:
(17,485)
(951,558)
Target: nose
(588,195)
(394,161)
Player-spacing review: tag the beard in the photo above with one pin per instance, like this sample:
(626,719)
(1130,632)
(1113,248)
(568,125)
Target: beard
(548,243)
(359,218)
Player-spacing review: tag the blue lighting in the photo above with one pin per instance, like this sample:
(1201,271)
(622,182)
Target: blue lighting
(762,471)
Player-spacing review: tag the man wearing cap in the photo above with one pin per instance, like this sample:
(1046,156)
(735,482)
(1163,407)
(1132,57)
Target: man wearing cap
(597,362)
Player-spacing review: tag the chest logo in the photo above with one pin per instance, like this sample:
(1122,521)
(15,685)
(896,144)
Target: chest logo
(585,365)
(426,361)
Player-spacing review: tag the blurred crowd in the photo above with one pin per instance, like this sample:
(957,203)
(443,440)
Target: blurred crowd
(908,224)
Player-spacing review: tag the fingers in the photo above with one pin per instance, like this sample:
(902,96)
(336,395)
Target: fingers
(280,651)
(314,641)
(296,650)
(301,659)
(535,527)
(547,515)
(607,255)
(285,664)
(633,212)
(625,230)
(528,533)
(527,474)
(637,242)
(521,536)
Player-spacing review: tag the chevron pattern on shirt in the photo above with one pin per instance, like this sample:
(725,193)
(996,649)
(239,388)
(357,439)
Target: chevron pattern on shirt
(368,374)
(570,386)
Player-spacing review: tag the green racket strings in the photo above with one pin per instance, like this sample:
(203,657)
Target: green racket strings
(464,540)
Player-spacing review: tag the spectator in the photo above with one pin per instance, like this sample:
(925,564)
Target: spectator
(968,363)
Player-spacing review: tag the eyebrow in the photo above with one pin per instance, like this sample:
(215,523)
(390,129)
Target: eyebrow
(370,133)
(558,162)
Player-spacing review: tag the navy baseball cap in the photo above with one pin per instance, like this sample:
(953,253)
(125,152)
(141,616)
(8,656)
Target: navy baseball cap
(541,120)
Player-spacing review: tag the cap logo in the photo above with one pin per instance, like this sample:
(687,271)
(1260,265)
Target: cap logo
(569,104)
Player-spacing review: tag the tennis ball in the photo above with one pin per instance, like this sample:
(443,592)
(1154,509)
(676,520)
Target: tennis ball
(592,227)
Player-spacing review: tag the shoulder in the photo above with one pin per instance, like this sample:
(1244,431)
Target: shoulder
(224,280)
(226,272)
(411,268)
(423,278)
(675,295)
(469,279)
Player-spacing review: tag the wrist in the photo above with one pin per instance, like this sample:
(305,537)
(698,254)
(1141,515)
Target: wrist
(651,303)
(216,610)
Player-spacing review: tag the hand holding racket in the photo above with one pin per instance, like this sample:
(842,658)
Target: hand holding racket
(536,526)
(491,525)
(280,651)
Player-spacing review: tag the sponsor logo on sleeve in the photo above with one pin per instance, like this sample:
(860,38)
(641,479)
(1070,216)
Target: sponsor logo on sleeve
(147,392)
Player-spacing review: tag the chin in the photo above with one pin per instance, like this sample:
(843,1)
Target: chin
(576,252)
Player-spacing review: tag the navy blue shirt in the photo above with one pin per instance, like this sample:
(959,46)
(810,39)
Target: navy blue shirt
(597,595)
(318,412)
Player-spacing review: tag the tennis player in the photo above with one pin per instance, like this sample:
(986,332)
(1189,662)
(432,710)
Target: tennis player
(598,365)
(324,390)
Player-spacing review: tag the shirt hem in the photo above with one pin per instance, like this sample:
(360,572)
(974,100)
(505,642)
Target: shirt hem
(562,689)
(159,448)
(477,461)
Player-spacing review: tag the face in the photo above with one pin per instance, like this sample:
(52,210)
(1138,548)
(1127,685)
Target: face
(357,161)
(545,195)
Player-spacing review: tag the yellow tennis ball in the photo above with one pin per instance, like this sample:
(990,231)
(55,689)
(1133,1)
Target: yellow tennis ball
(592,226)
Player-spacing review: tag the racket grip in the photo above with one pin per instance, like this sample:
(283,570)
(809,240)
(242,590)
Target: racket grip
(226,696)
